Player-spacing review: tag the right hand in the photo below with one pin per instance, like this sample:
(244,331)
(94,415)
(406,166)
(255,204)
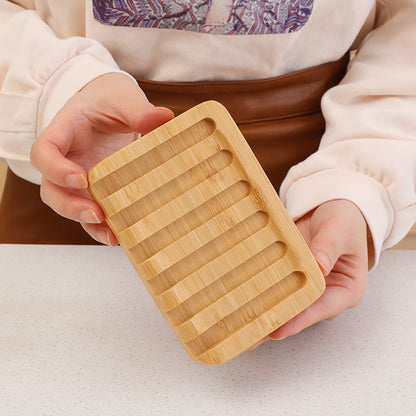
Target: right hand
(337,235)
(100,119)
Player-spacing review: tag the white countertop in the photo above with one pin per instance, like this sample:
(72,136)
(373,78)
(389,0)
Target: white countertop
(79,335)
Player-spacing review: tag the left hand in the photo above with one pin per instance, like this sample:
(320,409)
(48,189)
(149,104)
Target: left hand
(336,233)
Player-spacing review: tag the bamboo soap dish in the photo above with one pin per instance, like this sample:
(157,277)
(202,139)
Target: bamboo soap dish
(207,233)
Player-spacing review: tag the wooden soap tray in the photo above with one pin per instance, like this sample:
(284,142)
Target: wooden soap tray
(207,233)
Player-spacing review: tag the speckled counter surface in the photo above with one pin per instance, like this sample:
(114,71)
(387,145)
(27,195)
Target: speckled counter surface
(79,335)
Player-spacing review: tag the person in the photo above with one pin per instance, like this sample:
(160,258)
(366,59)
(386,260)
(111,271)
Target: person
(80,79)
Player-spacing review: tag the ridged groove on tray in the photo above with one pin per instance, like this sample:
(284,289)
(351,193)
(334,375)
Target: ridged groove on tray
(126,166)
(204,234)
(247,313)
(216,269)
(229,281)
(179,206)
(171,190)
(169,175)
(190,221)
(162,278)
(233,301)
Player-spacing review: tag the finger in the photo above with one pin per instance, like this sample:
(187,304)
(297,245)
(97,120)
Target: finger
(132,114)
(327,246)
(117,101)
(69,204)
(49,150)
(337,228)
(101,233)
(138,113)
(48,156)
(328,306)
(150,119)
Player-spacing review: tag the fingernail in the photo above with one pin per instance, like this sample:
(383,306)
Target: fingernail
(88,216)
(277,338)
(323,262)
(76,180)
(104,237)
(166,110)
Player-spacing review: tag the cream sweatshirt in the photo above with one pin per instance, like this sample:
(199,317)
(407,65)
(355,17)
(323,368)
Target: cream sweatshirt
(49,49)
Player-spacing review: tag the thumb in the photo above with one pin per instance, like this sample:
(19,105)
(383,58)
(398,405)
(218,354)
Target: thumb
(139,114)
(116,103)
(326,246)
(151,119)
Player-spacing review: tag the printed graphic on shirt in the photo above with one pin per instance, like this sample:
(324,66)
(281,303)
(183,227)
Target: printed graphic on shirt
(225,17)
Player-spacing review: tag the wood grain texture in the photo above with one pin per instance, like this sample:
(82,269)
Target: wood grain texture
(207,233)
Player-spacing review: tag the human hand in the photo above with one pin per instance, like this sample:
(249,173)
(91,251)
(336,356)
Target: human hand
(100,119)
(336,233)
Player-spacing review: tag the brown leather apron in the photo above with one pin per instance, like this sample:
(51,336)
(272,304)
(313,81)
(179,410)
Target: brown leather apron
(280,118)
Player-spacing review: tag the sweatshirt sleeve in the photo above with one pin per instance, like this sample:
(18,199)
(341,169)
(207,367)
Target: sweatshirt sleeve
(368,152)
(39,72)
